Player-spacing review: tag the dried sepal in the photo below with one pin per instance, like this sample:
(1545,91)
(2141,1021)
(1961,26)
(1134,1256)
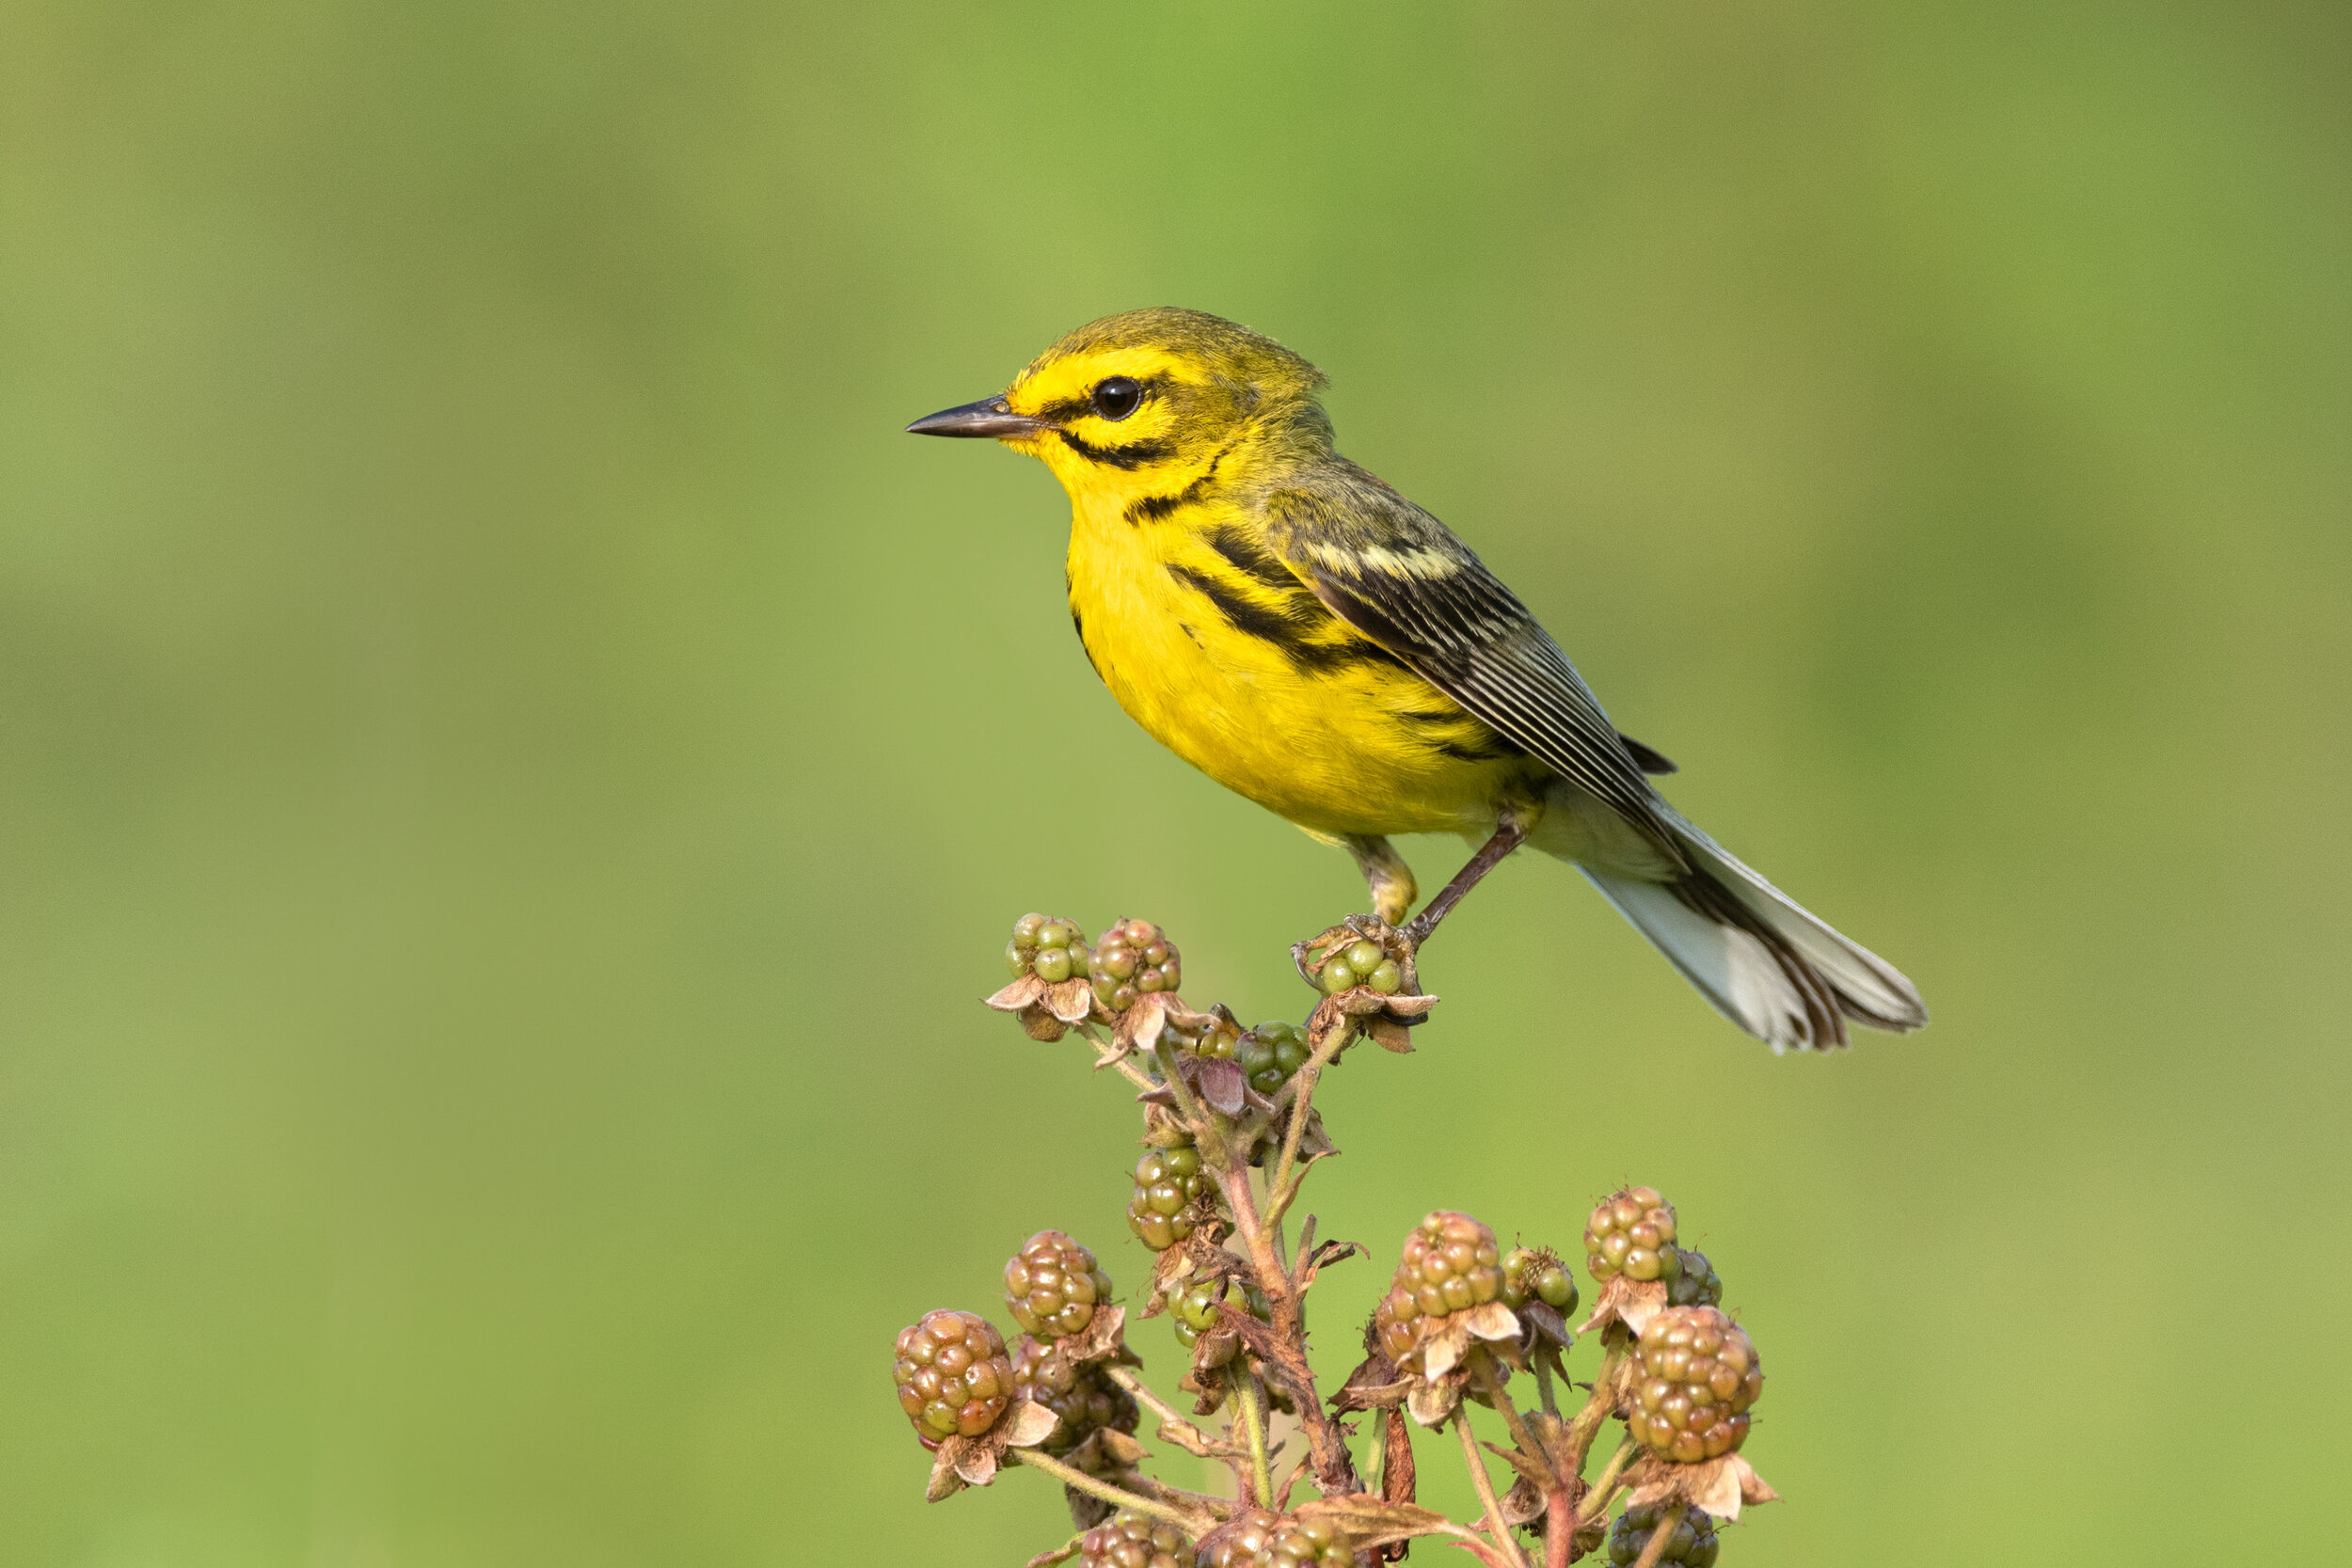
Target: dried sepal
(1021,993)
(1374,1384)
(961,1460)
(1628,1300)
(1069,1001)
(1104,1339)
(1716,1486)
(1434,1399)
(1361,1521)
(1542,1325)
(1387,1017)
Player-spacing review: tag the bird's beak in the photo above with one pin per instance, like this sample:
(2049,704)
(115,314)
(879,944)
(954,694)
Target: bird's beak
(990,416)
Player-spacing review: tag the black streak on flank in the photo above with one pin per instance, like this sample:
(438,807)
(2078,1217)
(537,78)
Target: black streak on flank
(1285,629)
(1250,558)
(1134,454)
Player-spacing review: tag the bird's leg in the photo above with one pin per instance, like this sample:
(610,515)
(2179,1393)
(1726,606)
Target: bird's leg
(1390,879)
(1513,823)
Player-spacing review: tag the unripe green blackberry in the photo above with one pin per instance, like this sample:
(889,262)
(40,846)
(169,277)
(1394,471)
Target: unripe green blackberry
(1132,959)
(953,1375)
(1695,1376)
(1051,949)
(1131,1540)
(1271,1052)
(1691,1545)
(1261,1540)
(1629,1233)
(1361,963)
(1695,1281)
(1537,1274)
(1451,1264)
(1167,1182)
(1052,1284)
(1195,1310)
(1075,1391)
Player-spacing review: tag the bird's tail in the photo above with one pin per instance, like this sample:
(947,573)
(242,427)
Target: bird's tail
(1768,964)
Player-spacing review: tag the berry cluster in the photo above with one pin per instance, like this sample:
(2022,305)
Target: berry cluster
(1361,963)
(1698,1374)
(1451,1264)
(1537,1274)
(1271,1053)
(1131,960)
(1261,1540)
(1084,1400)
(1048,948)
(1167,1182)
(952,1374)
(1133,1540)
(1195,1310)
(1695,1281)
(1052,1285)
(1630,1233)
(1693,1544)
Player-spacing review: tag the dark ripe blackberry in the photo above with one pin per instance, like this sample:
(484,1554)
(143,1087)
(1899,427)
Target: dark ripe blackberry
(1695,1281)
(1695,1376)
(1052,1284)
(1132,959)
(1167,1182)
(1261,1540)
(953,1375)
(1691,1545)
(1628,1233)
(1537,1274)
(1077,1392)
(1361,963)
(1271,1052)
(1051,949)
(1133,1540)
(1451,1264)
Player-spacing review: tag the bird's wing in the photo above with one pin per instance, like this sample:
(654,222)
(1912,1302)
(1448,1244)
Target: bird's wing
(1400,577)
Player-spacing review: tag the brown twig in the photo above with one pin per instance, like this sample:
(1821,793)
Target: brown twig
(1070,1476)
(1505,1542)
(1656,1547)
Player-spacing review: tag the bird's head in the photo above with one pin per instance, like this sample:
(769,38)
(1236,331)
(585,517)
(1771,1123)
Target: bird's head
(1128,405)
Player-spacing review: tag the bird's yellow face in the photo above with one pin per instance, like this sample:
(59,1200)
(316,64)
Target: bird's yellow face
(1141,404)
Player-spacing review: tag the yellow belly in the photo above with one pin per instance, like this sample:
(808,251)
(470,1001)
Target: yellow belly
(1356,748)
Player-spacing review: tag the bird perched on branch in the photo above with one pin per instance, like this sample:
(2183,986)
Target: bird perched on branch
(1294,629)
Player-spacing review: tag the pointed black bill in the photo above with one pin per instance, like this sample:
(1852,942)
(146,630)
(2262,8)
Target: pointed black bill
(990,416)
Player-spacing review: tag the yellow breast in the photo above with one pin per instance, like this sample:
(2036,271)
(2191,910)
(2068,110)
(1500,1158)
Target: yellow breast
(1231,663)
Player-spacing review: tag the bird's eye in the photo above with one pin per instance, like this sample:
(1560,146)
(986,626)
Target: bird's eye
(1118,397)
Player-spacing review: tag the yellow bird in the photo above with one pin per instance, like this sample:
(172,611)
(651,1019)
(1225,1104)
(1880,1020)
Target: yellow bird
(1307,637)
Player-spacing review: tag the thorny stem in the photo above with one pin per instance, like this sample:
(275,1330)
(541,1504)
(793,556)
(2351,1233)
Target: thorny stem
(1106,1055)
(1605,1484)
(1286,1180)
(1070,1475)
(1597,1409)
(1491,1387)
(1334,1471)
(1659,1536)
(1505,1542)
(1245,1395)
(1173,1426)
(1544,1358)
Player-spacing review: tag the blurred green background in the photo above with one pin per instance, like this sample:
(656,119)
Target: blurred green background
(506,805)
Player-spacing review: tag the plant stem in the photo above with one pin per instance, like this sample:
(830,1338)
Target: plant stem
(1335,1471)
(1505,1542)
(1491,1387)
(1070,1476)
(1285,1184)
(1598,1408)
(1659,1536)
(1251,1400)
(1173,1426)
(1104,1052)
(1543,1380)
(1605,1484)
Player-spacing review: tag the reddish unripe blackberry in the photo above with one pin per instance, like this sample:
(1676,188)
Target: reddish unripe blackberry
(1271,1052)
(1695,1281)
(1261,1540)
(1451,1264)
(1691,1545)
(1048,948)
(1361,963)
(1052,1284)
(1133,1540)
(953,1375)
(1537,1274)
(1629,1233)
(1695,1376)
(1167,1182)
(1132,959)
(1076,1392)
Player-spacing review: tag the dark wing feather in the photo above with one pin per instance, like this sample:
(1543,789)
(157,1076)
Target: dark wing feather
(1398,576)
